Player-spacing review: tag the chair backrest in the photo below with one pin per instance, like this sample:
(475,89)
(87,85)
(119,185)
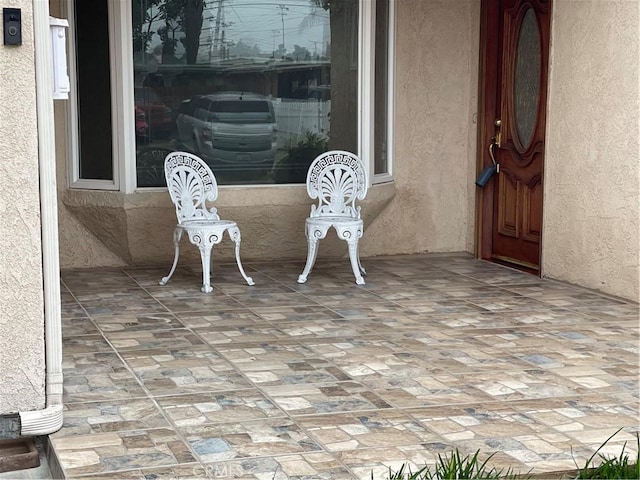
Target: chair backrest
(191,184)
(337,179)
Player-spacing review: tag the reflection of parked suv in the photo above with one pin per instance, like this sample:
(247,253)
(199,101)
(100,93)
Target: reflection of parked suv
(235,130)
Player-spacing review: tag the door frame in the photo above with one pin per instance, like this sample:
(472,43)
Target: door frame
(489,22)
(489,49)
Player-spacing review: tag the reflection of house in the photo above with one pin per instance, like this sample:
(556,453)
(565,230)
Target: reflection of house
(279,79)
(290,84)
(590,190)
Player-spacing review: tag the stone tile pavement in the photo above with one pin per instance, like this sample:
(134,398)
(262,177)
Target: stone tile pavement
(330,380)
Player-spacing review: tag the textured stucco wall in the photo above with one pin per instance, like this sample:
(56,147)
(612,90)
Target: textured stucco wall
(592,201)
(22,367)
(78,246)
(435,130)
(430,207)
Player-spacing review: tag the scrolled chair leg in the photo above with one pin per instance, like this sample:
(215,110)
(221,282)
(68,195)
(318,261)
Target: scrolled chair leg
(355,261)
(205,240)
(352,234)
(312,253)
(205,255)
(315,233)
(234,233)
(360,267)
(177,235)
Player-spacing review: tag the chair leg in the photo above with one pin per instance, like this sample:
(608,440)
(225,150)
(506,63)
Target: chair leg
(360,267)
(355,261)
(234,233)
(205,256)
(312,253)
(177,235)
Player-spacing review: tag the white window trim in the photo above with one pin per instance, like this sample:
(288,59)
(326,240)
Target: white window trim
(122,101)
(391,88)
(366,119)
(366,78)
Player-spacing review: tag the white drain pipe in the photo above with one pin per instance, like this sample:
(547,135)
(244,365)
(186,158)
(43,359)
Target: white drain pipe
(48,420)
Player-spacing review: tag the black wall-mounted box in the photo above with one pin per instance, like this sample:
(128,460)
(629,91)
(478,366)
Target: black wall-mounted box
(12,26)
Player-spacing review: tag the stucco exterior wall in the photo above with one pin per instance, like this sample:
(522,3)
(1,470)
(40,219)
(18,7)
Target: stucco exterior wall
(592,200)
(435,130)
(78,246)
(22,367)
(429,207)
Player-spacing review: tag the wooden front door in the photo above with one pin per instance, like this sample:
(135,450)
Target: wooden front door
(515,44)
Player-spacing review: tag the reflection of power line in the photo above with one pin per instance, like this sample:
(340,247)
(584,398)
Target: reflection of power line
(275,32)
(283,11)
(216,36)
(218,45)
(315,47)
(255,22)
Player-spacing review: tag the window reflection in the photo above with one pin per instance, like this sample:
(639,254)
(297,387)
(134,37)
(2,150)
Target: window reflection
(381,95)
(94,91)
(526,90)
(247,85)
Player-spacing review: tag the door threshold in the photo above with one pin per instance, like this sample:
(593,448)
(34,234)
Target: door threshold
(517,264)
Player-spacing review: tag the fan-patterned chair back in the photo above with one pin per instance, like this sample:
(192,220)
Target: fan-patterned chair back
(337,179)
(191,185)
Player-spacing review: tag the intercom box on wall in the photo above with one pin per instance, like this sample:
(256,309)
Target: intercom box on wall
(61,84)
(12,26)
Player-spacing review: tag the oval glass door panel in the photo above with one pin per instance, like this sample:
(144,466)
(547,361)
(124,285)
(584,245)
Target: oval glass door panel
(527,78)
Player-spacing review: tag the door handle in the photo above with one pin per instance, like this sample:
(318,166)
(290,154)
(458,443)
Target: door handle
(498,136)
(492,169)
(494,143)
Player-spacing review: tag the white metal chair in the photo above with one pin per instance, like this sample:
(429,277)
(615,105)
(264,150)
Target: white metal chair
(337,179)
(191,184)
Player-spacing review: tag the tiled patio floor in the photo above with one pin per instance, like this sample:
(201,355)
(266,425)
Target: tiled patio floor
(334,380)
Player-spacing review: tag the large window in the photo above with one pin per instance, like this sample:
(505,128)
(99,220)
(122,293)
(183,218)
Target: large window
(257,88)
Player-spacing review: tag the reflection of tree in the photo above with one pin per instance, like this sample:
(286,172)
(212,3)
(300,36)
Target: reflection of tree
(343,18)
(192,24)
(300,53)
(242,49)
(279,53)
(171,11)
(142,21)
(313,18)
(184,15)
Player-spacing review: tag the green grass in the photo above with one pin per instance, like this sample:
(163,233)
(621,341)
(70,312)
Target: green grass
(455,466)
(601,467)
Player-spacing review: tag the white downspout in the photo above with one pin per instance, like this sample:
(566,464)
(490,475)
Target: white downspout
(48,420)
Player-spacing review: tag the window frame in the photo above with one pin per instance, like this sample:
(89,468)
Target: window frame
(73,170)
(123,103)
(391,88)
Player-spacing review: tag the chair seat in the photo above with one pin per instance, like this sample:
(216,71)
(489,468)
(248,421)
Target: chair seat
(334,220)
(213,224)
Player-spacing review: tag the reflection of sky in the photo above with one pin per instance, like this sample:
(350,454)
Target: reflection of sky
(260,23)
